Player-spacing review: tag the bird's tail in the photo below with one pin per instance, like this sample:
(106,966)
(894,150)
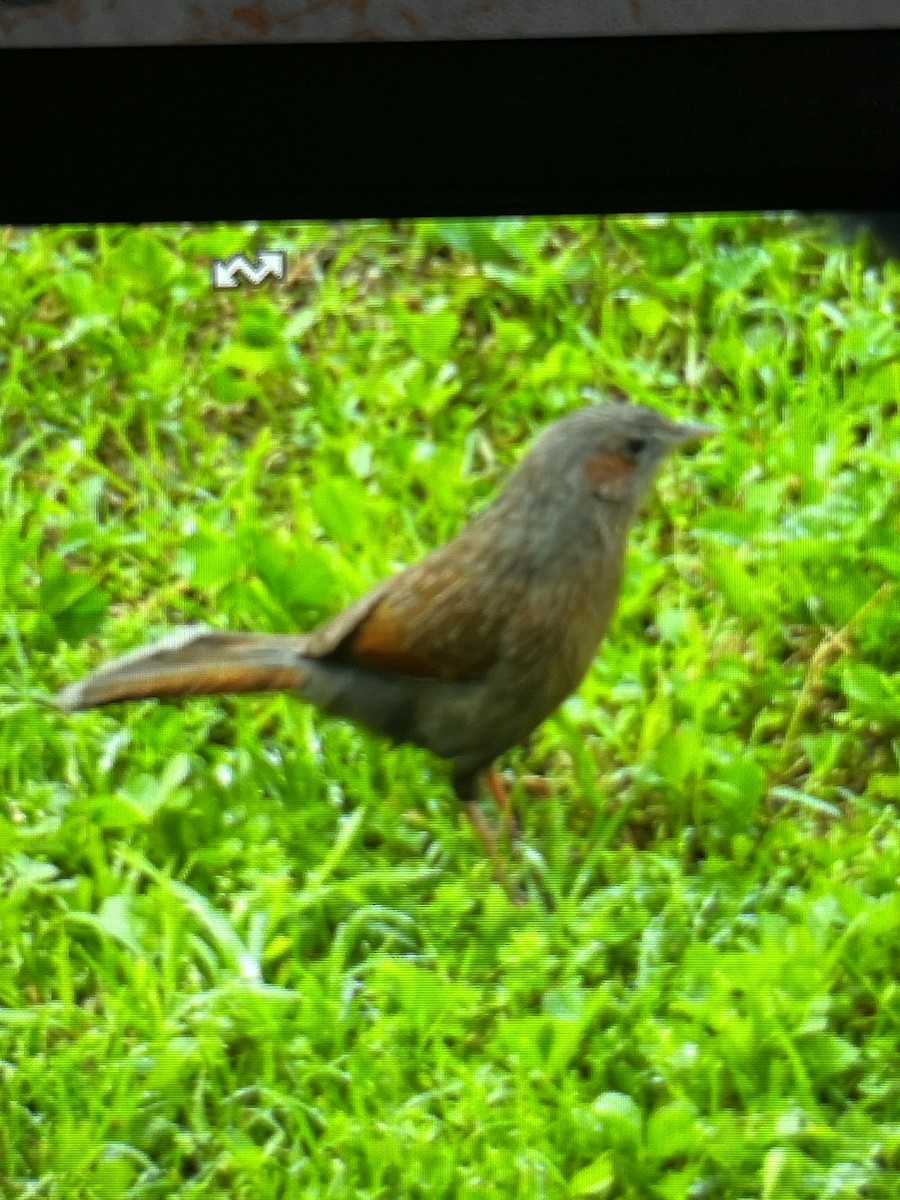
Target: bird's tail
(197,661)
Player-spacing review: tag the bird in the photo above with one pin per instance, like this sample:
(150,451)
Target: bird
(467,651)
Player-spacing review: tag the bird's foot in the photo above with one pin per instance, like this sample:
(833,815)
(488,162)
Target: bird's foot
(537,785)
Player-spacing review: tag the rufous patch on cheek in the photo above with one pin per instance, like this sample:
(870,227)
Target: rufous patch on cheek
(609,474)
(606,467)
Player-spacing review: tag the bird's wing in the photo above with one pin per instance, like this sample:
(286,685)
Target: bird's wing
(438,619)
(329,636)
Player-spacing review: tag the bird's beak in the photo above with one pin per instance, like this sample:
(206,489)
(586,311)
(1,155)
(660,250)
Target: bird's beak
(687,433)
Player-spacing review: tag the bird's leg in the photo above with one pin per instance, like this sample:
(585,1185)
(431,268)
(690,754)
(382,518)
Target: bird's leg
(466,787)
(508,815)
(488,838)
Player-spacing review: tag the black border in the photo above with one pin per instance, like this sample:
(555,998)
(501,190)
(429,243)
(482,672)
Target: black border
(762,121)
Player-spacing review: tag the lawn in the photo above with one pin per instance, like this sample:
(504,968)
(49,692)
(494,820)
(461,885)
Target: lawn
(249,952)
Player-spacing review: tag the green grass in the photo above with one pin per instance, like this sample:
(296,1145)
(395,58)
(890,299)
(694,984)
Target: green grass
(248,952)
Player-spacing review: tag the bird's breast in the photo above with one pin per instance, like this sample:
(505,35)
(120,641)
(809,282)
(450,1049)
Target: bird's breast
(553,640)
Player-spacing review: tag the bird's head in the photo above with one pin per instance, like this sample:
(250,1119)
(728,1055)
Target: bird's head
(598,462)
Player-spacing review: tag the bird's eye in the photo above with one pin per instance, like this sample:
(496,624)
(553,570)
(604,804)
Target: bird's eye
(636,445)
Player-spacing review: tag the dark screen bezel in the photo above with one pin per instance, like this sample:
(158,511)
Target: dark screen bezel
(223,133)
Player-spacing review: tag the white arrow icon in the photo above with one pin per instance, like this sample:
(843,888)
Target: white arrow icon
(225,271)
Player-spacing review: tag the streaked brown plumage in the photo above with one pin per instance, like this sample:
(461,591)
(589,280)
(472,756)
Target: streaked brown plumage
(469,650)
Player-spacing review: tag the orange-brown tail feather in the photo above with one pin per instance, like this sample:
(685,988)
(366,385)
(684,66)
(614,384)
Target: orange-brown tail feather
(195,661)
